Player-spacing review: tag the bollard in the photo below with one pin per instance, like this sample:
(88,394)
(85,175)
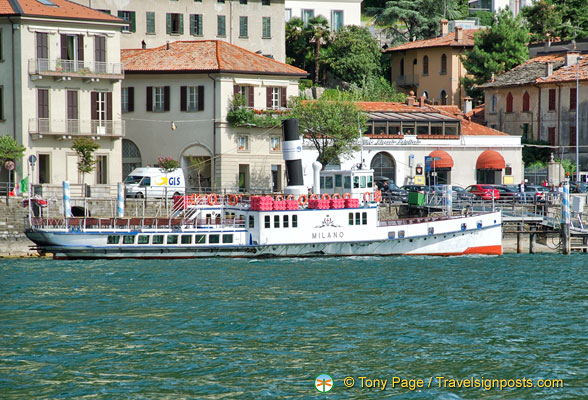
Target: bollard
(66,200)
(565,218)
(120,208)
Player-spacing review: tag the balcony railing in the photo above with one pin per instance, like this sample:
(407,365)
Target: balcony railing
(85,69)
(75,127)
(407,80)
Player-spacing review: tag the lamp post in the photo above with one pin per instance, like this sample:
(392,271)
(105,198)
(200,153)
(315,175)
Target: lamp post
(577,119)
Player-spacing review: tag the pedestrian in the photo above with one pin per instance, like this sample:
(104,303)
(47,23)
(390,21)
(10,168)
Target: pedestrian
(522,190)
(386,192)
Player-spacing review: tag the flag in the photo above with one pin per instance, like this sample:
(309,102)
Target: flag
(20,188)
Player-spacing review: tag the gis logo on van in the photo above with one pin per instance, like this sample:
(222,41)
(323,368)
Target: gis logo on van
(171,181)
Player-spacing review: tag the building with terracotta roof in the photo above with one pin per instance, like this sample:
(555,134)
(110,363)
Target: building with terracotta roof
(432,67)
(258,26)
(400,137)
(175,101)
(337,13)
(60,79)
(537,100)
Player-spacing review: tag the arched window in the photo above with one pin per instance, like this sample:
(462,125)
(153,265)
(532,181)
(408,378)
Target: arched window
(443,64)
(425,94)
(509,102)
(526,102)
(443,96)
(426,65)
(402,67)
(493,104)
(131,157)
(384,166)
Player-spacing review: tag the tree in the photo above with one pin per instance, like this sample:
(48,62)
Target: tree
(354,54)
(373,88)
(319,34)
(85,148)
(331,125)
(296,43)
(167,164)
(9,150)
(496,50)
(544,20)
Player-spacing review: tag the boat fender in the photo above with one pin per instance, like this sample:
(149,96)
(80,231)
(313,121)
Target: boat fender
(290,197)
(279,197)
(233,199)
(212,199)
(377,196)
(325,196)
(367,196)
(346,196)
(314,196)
(302,200)
(336,196)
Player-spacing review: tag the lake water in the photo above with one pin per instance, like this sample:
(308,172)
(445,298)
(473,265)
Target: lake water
(211,329)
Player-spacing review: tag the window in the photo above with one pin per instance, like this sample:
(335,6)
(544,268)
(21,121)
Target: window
(157,239)
(150,18)
(267,221)
(551,138)
(572,98)
(336,20)
(220,1)
(143,239)
(572,136)
(346,182)
(44,168)
(158,98)
(294,221)
(113,239)
(128,99)
(306,15)
(213,239)
(402,67)
(242,1)
(251,221)
(100,54)
(275,143)
(42,51)
(200,239)
(243,142)
(228,238)
(364,218)
(350,218)
(128,239)
(443,65)
(247,93)
(525,134)
(443,96)
(1,103)
(551,99)
(526,102)
(265,2)
(276,221)
(175,24)
(172,239)
(357,218)
(72,51)
(102,170)
(43,109)
(426,65)
(493,104)
(276,97)
(288,14)
(221,29)
(191,98)
(243,28)
(128,16)
(509,102)
(266,27)
(196,24)
(286,222)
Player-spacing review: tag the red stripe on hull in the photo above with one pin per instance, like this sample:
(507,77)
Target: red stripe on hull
(495,250)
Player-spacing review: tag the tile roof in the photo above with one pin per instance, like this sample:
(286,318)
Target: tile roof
(60,9)
(442,41)
(568,74)
(203,56)
(368,106)
(477,114)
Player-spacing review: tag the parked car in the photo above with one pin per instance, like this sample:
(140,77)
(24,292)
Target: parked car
(394,193)
(536,192)
(417,188)
(485,192)
(459,193)
(578,187)
(508,192)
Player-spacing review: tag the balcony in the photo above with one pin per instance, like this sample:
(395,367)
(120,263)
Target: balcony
(68,128)
(407,81)
(66,69)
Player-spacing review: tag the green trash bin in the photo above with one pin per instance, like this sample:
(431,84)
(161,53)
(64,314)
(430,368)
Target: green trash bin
(416,199)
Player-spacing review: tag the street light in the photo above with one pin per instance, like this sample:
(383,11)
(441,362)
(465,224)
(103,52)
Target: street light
(577,119)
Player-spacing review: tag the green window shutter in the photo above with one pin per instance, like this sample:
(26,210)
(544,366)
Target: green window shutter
(168,23)
(150,22)
(133,24)
(181,24)
(192,24)
(199,24)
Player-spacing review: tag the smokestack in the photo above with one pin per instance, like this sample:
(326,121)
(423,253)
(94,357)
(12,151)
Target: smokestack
(467,105)
(548,69)
(292,153)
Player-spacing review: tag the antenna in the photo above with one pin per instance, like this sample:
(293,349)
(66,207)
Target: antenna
(360,143)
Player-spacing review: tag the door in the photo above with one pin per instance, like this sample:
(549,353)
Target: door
(100,54)
(72,112)
(43,110)
(72,169)
(101,112)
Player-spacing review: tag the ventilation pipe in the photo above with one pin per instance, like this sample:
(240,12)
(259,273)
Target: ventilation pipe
(316,175)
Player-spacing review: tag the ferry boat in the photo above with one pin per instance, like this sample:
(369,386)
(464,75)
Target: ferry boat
(344,220)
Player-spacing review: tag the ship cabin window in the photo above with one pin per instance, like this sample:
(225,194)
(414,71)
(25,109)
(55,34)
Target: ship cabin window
(285,223)
(228,238)
(322,182)
(172,239)
(350,218)
(400,234)
(357,218)
(128,239)
(267,221)
(200,239)
(356,182)
(328,182)
(214,239)
(113,239)
(347,182)
(186,239)
(364,218)
(251,221)
(157,239)
(294,221)
(143,239)
(362,181)
(276,221)
(338,180)
(369,181)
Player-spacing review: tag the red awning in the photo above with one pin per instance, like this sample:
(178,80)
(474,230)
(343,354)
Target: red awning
(490,159)
(445,159)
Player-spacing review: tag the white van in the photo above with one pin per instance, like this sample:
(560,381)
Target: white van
(152,182)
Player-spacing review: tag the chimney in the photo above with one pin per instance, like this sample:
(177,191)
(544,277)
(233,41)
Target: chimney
(410,101)
(167,45)
(572,58)
(444,27)
(467,105)
(143,44)
(422,101)
(548,69)
(458,34)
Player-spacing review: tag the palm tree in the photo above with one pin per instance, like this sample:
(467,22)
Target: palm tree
(318,33)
